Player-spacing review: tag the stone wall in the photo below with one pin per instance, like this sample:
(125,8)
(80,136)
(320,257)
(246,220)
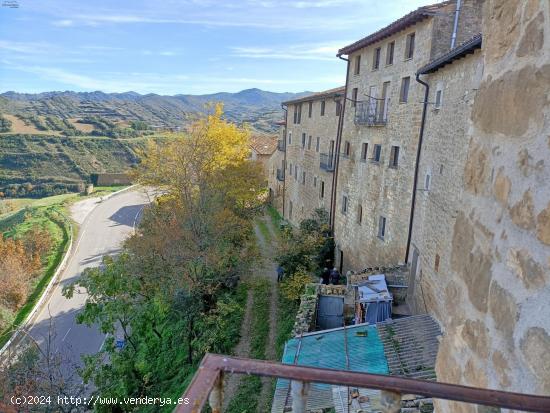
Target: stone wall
(302,198)
(496,274)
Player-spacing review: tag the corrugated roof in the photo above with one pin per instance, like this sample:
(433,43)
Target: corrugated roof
(462,50)
(403,347)
(408,20)
(337,91)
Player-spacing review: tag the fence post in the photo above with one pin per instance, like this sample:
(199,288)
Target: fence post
(299,391)
(390,401)
(215,399)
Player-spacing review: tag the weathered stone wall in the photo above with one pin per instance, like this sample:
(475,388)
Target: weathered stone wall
(276,161)
(306,197)
(493,287)
(379,189)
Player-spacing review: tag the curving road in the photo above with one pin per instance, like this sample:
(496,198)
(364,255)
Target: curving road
(102,232)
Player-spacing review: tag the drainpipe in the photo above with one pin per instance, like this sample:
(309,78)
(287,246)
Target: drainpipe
(337,149)
(455,25)
(417,164)
(284,156)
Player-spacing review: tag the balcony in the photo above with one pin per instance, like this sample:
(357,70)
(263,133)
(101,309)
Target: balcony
(207,384)
(281,145)
(280,175)
(372,112)
(327,162)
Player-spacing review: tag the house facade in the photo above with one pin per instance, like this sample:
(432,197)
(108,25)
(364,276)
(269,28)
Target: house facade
(311,131)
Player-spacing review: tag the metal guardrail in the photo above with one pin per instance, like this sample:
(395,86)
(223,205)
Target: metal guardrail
(327,162)
(207,384)
(372,112)
(280,175)
(281,145)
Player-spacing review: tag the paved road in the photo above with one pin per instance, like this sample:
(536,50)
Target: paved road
(102,232)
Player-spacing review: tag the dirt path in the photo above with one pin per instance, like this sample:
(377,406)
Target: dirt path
(266,269)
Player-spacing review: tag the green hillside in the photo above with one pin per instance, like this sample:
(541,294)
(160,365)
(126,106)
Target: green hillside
(38,166)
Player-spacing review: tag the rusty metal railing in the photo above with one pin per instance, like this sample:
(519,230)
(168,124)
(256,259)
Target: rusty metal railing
(207,384)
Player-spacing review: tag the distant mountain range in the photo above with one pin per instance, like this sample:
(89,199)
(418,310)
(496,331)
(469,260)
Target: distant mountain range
(257,107)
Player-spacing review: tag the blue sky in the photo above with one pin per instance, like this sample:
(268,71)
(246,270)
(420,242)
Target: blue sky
(183,46)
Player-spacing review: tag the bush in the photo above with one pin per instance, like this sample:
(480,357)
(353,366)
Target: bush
(294,285)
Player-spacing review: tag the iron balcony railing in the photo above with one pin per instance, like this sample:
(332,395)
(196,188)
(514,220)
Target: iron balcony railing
(207,384)
(327,162)
(280,174)
(372,112)
(281,145)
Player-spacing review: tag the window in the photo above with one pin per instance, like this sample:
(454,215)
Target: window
(322,108)
(377,151)
(290,168)
(317,144)
(359,214)
(436,264)
(354,93)
(303,177)
(376,59)
(322,190)
(364,151)
(344,204)
(290,210)
(296,172)
(404,95)
(338,107)
(427,181)
(289,138)
(381,227)
(309,142)
(347,149)
(409,46)
(314,181)
(303,140)
(438,96)
(357,65)
(389,53)
(297,113)
(310,109)
(394,156)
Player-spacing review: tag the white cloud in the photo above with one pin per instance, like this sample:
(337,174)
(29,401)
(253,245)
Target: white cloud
(63,23)
(323,51)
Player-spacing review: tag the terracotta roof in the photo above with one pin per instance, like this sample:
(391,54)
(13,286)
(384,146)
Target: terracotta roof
(263,144)
(469,46)
(408,20)
(319,95)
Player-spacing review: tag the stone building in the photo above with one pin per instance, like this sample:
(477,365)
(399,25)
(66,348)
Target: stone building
(311,129)
(262,148)
(379,139)
(276,170)
(482,230)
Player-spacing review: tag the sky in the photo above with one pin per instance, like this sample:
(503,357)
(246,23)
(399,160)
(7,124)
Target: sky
(183,46)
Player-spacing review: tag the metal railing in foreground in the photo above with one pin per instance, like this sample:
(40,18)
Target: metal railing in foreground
(207,384)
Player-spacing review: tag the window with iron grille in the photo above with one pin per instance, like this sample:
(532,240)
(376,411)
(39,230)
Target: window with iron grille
(404,95)
(322,108)
(389,53)
(394,157)
(376,59)
(364,151)
(381,227)
(354,93)
(376,153)
(409,46)
(357,65)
